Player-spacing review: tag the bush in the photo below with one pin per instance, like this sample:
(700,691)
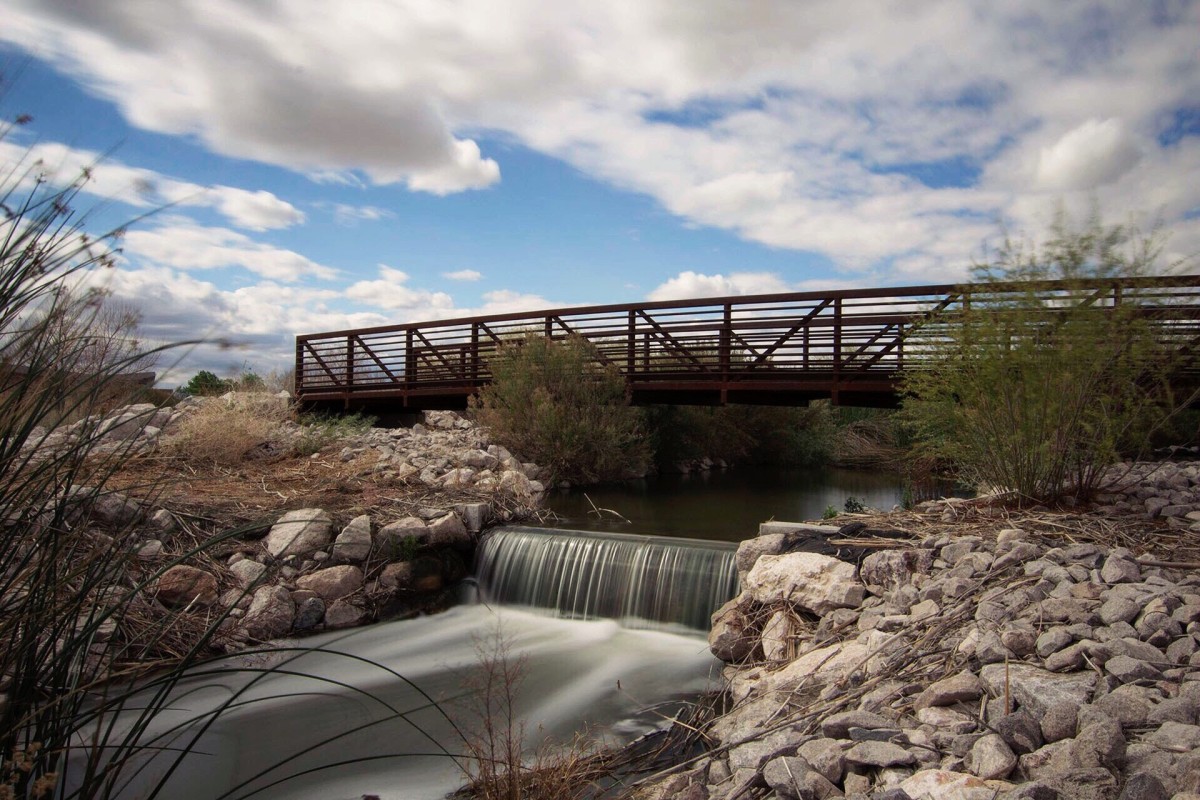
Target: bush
(227,432)
(206,384)
(318,431)
(555,403)
(1039,396)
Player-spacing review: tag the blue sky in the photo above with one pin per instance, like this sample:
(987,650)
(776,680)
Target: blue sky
(329,165)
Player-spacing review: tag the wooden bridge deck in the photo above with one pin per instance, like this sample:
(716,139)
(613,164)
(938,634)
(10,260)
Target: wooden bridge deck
(850,346)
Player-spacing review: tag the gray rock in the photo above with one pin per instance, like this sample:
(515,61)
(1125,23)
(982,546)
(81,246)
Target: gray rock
(826,756)
(1176,709)
(1128,705)
(879,754)
(794,778)
(814,582)
(1175,737)
(730,638)
(1119,609)
(948,691)
(1020,731)
(270,614)
(758,751)
(991,758)
(247,571)
(888,570)
(354,542)
(1053,640)
(1119,569)
(309,613)
(1037,689)
(299,533)
(151,550)
(1143,787)
(343,614)
(837,726)
(749,551)
(397,539)
(334,582)
(449,531)
(1128,670)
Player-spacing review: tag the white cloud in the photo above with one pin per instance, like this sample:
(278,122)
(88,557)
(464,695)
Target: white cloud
(464,275)
(694,284)
(112,180)
(1093,154)
(390,291)
(349,216)
(818,126)
(184,244)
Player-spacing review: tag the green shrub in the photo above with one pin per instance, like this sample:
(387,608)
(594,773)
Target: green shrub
(1037,396)
(318,431)
(554,402)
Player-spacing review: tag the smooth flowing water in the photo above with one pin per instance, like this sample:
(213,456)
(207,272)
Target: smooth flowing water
(723,505)
(353,714)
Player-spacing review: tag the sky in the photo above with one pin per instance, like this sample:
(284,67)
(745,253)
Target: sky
(303,165)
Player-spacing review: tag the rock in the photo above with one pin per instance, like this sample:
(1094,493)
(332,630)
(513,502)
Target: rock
(777,637)
(1119,569)
(1037,689)
(991,758)
(793,778)
(826,756)
(879,754)
(888,570)
(247,571)
(398,575)
(333,582)
(150,551)
(299,533)
(309,613)
(1119,609)
(270,614)
(474,515)
(1020,731)
(1053,640)
(1060,721)
(948,691)
(163,521)
(115,510)
(749,551)
(837,726)
(1129,670)
(938,784)
(182,586)
(401,539)
(342,614)
(1143,787)
(449,531)
(354,542)
(815,582)
(1175,737)
(1128,705)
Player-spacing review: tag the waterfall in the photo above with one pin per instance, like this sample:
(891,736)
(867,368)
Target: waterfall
(642,581)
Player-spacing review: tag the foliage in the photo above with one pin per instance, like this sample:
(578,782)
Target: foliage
(556,403)
(854,505)
(225,432)
(829,513)
(206,384)
(1037,395)
(318,431)
(742,434)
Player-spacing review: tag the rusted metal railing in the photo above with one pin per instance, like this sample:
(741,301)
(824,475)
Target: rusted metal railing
(850,345)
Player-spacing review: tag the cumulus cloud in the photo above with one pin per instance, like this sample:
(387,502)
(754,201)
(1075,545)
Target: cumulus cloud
(391,291)
(112,180)
(695,284)
(1090,155)
(464,275)
(184,244)
(874,135)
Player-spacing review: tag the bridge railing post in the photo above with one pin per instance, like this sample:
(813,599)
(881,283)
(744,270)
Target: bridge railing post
(349,363)
(631,343)
(410,360)
(474,376)
(726,339)
(298,375)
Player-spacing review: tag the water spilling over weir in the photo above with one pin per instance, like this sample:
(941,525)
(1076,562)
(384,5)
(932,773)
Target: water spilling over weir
(641,581)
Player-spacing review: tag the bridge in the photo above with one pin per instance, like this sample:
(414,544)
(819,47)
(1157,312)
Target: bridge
(850,346)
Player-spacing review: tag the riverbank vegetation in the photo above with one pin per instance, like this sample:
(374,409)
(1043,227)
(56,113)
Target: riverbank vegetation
(1038,395)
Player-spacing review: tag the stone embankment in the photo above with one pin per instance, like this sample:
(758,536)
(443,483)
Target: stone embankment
(1002,665)
(311,569)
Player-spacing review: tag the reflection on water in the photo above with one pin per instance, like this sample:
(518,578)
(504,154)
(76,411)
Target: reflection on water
(724,505)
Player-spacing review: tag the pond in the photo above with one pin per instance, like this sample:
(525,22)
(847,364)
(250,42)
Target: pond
(724,505)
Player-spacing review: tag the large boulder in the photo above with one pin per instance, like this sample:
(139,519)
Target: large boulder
(814,582)
(181,586)
(888,570)
(270,614)
(449,531)
(1037,689)
(730,637)
(300,532)
(400,539)
(334,582)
